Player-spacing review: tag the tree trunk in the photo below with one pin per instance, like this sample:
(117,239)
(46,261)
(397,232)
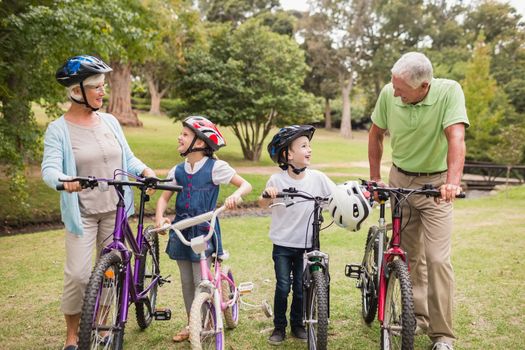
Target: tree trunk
(120,97)
(327,114)
(346,119)
(155,94)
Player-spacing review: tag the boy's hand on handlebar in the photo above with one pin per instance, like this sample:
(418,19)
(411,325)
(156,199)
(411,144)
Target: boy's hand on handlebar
(232,201)
(271,192)
(159,222)
(449,192)
(72,186)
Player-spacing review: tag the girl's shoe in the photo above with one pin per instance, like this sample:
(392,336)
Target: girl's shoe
(182,335)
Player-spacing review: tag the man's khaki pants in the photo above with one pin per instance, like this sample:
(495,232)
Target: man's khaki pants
(426,238)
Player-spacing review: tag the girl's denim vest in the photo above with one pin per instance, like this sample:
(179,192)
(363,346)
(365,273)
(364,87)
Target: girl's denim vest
(199,195)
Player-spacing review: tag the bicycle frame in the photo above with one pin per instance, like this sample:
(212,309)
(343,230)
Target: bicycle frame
(394,250)
(210,281)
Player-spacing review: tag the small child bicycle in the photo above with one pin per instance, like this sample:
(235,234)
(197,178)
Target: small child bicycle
(217,293)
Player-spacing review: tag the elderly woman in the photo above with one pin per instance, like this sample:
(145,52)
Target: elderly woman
(85,142)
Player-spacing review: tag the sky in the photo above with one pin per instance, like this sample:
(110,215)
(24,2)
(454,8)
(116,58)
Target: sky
(303,6)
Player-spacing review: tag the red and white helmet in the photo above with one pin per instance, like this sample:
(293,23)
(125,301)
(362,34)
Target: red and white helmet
(349,205)
(206,131)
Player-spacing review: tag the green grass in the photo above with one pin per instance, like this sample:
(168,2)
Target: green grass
(156,145)
(487,257)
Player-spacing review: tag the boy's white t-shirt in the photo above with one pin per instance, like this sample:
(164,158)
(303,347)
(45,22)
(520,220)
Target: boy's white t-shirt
(221,174)
(289,225)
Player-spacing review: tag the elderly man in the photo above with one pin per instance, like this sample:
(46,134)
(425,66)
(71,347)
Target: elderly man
(426,118)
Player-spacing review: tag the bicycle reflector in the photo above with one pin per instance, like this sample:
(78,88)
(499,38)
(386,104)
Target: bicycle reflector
(349,206)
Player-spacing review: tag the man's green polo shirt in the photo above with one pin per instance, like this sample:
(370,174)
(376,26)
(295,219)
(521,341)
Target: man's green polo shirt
(416,131)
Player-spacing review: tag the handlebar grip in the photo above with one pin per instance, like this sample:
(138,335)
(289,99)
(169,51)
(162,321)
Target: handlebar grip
(172,188)
(461,195)
(265,195)
(60,187)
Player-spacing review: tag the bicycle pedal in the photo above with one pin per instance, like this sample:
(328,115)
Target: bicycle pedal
(245,288)
(162,314)
(163,280)
(353,271)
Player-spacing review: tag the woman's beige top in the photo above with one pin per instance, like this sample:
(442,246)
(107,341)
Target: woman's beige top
(97,153)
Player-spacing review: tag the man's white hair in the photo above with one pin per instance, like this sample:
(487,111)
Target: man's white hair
(93,80)
(414,68)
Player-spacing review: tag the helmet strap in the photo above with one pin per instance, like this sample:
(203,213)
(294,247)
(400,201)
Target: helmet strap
(192,149)
(85,102)
(295,170)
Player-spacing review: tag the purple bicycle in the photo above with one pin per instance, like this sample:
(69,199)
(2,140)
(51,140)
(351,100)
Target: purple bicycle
(125,273)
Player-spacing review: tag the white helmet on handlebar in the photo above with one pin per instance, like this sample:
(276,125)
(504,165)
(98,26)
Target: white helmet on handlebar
(349,206)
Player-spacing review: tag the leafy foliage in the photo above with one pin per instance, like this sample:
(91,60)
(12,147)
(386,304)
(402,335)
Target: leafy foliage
(249,79)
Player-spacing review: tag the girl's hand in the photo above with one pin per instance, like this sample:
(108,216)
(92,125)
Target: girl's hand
(159,222)
(232,201)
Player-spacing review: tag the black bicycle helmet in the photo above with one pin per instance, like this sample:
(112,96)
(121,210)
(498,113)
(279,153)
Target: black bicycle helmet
(278,147)
(78,68)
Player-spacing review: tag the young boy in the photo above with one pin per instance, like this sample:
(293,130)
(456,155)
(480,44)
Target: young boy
(200,175)
(290,149)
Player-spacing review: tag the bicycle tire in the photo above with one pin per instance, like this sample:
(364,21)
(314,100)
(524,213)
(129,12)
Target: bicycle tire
(203,324)
(148,270)
(399,324)
(231,313)
(317,312)
(105,284)
(369,273)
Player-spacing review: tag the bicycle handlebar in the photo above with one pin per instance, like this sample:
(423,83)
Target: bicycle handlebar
(147,182)
(427,190)
(210,216)
(292,192)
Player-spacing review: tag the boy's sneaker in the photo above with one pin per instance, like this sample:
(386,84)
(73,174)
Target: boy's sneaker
(442,346)
(299,332)
(277,337)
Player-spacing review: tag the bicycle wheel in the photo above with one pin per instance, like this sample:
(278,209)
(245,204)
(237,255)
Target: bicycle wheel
(147,272)
(369,273)
(231,314)
(399,324)
(203,324)
(99,325)
(317,312)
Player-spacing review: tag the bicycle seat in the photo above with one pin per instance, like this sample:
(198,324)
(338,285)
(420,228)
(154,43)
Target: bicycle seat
(223,257)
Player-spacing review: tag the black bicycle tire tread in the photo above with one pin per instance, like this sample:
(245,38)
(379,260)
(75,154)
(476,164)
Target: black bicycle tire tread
(408,318)
(319,281)
(90,296)
(140,309)
(370,313)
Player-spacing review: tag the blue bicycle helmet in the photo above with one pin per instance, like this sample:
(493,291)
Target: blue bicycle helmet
(78,68)
(278,147)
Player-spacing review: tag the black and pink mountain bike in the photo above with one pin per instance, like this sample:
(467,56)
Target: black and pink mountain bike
(383,275)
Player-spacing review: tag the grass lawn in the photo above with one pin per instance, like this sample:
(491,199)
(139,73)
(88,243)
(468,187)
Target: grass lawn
(155,144)
(487,257)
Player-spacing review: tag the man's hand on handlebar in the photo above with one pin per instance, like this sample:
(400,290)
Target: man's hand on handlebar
(449,192)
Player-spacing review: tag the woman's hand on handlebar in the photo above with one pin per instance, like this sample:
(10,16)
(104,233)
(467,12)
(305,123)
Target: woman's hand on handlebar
(72,186)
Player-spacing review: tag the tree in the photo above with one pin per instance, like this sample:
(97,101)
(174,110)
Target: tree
(320,56)
(349,23)
(234,11)
(249,79)
(486,105)
(178,29)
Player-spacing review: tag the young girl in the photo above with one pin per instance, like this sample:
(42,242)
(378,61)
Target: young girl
(200,176)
